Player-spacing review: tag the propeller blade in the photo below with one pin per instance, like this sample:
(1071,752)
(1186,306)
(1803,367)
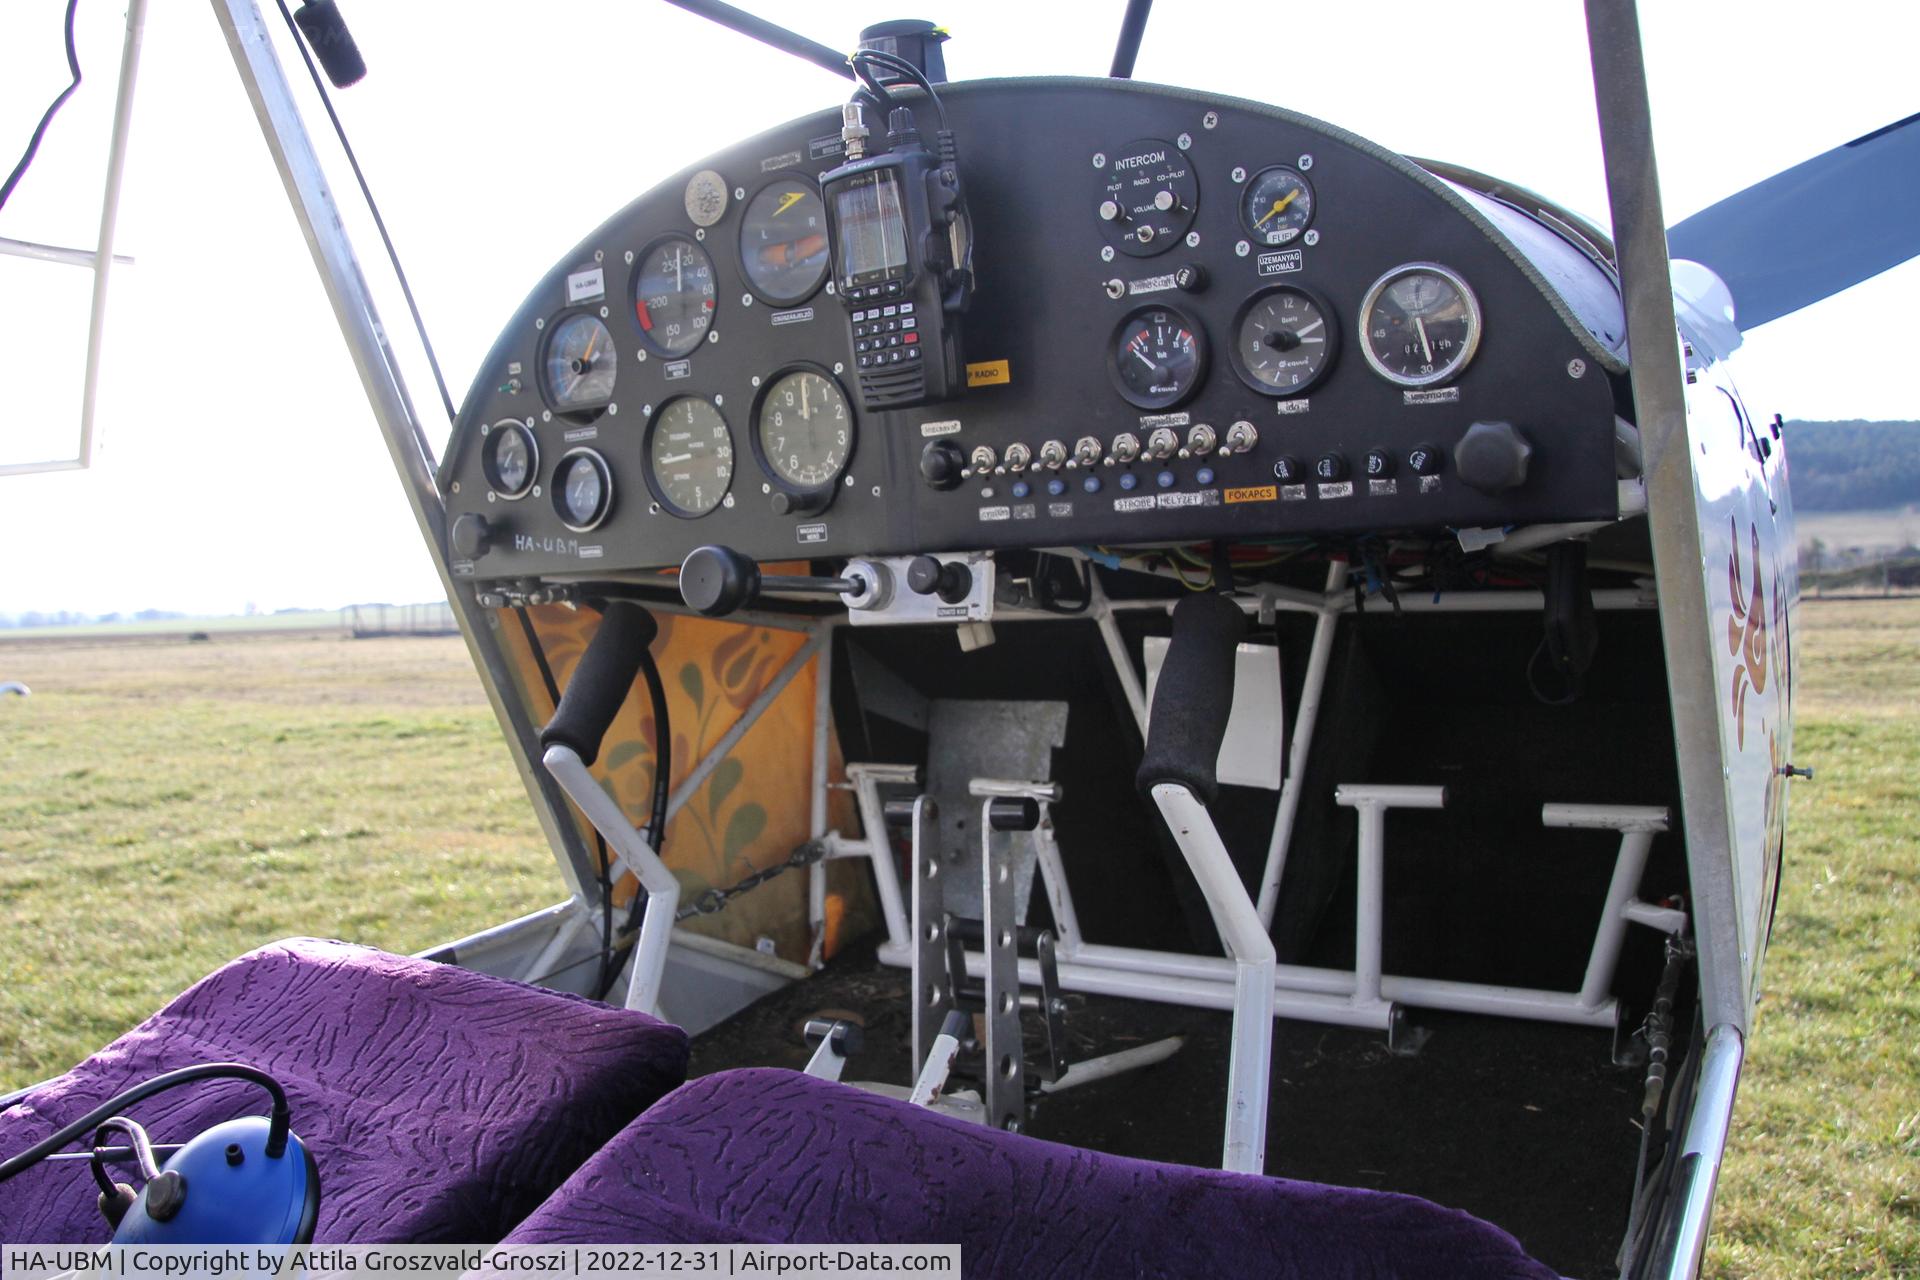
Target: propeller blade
(1815,229)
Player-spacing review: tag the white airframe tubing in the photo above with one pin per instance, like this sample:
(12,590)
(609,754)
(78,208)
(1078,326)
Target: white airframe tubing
(663,891)
(866,789)
(1244,1149)
(1301,748)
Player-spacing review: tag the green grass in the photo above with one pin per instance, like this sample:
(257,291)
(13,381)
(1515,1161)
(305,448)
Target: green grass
(164,807)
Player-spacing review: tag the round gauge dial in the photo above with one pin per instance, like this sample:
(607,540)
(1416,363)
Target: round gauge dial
(783,242)
(689,456)
(706,198)
(673,295)
(1146,197)
(1158,358)
(1276,206)
(1283,340)
(803,429)
(510,459)
(579,363)
(582,490)
(1419,325)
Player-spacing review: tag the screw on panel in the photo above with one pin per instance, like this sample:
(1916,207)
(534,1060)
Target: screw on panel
(1209,120)
(699,233)
(603,313)
(1242,249)
(739,193)
(746,299)
(719,399)
(1193,239)
(1106,253)
(599,255)
(713,335)
(1239,173)
(876,491)
(756,379)
(849,482)
(1576,368)
(641,355)
(539,322)
(1311,237)
(1184,141)
(727,502)
(456,486)
(1099,159)
(1306,163)
(629,257)
(838,367)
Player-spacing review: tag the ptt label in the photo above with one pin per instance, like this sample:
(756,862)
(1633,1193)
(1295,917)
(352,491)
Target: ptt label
(989,373)
(582,285)
(1279,264)
(1253,493)
(1430,395)
(810,533)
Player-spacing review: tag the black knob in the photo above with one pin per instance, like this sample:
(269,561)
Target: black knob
(1380,464)
(717,580)
(1287,470)
(950,580)
(166,1195)
(1424,459)
(941,463)
(1013,813)
(1190,277)
(1330,467)
(800,504)
(1492,457)
(472,536)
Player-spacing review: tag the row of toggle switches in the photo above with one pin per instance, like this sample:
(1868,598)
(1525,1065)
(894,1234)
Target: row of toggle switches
(1161,443)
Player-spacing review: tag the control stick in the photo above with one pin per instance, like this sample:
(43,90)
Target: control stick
(717,580)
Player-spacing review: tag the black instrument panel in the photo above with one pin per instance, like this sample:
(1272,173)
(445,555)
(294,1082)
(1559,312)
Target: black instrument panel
(1156,273)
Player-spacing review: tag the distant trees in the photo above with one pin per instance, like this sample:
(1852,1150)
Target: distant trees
(1853,466)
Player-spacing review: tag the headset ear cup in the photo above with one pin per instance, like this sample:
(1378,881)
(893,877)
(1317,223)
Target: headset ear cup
(114,1206)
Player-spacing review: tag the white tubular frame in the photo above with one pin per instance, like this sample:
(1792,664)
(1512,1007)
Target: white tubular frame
(663,891)
(1246,940)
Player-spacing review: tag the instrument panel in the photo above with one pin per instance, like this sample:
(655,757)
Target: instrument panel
(1191,318)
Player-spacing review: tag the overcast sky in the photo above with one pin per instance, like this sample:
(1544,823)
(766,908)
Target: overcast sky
(239,463)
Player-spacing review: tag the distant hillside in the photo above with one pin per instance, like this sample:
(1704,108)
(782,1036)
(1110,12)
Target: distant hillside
(1853,466)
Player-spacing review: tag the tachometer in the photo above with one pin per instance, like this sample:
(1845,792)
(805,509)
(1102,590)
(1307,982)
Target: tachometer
(582,490)
(1284,339)
(1158,358)
(783,242)
(510,459)
(1276,206)
(1419,325)
(689,456)
(579,363)
(803,430)
(673,295)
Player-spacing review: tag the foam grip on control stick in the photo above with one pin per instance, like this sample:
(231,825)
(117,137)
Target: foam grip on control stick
(1194,696)
(600,683)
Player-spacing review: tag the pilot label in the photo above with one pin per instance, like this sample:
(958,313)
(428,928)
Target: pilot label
(810,533)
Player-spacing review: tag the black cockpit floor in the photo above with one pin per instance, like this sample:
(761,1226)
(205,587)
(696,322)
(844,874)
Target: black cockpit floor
(1525,1125)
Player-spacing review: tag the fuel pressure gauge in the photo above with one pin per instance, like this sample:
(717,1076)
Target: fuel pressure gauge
(1276,206)
(1158,358)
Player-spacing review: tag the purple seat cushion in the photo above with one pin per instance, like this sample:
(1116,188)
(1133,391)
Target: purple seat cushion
(776,1156)
(441,1105)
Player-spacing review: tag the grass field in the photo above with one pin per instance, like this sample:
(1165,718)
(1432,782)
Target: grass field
(164,807)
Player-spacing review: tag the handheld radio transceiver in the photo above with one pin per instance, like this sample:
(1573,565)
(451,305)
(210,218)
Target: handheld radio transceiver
(896,222)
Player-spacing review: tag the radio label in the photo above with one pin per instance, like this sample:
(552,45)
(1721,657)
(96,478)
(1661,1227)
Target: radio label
(810,533)
(1253,493)
(1344,489)
(1283,263)
(1431,395)
(582,285)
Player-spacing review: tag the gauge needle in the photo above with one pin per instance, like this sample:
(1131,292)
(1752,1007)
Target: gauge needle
(1426,345)
(676,459)
(586,358)
(1279,206)
(679,283)
(788,200)
(805,410)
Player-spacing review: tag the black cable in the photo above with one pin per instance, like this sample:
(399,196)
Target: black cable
(393,256)
(281,1120)
(40,130)
(900,65)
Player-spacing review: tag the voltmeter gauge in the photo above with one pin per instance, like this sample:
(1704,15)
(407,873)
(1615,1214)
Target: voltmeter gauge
(510,459)
(1419,325)
(579,363)
(673,295)
(1283,340)
(582,490)
(1146,196)
(803,432)
(689,456)
(1158,358)
(1276,206)
(783,241)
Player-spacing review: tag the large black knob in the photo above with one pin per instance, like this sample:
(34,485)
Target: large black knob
(717,580)
(1492,457)
(950,580)
(472,536)
(941,463)
(800,504)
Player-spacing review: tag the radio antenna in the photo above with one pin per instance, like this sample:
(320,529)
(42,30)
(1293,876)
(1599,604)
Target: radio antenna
(1132,28)
(760,29)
